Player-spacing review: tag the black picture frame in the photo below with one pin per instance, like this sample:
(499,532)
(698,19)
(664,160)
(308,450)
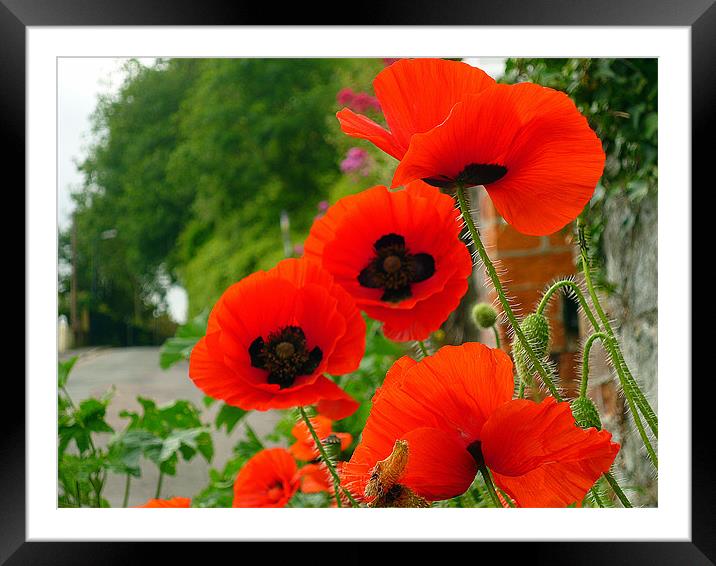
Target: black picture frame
(698,15)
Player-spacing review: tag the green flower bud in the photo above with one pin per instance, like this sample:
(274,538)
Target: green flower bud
(535,327)
(585,413)
(484,315)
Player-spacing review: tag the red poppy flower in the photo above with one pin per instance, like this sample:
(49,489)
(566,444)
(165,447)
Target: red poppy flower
(271,337)
(398,254)
(455,411)
(173,502)
(415,95)
(528,145)
(305,448)
(269,479)
(315,478)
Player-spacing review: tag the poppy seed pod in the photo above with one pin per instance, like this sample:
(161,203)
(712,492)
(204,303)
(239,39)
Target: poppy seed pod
(535,327)
(585,413)
(484,315)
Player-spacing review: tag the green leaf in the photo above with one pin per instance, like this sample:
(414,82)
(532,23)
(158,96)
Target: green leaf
(63,371)
(250,446)
(229,416)
(179,347)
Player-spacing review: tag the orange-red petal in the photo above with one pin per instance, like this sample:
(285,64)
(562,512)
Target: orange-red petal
(438,466)
(540,457)
(359,126)
(553,159)
(337,409)
(294,293)
(343,242)
(269,479)
(174,502)
(454,391)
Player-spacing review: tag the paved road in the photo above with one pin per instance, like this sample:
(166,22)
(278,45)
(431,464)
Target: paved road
(136,372)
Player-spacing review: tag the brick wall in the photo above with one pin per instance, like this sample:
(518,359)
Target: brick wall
(527,264)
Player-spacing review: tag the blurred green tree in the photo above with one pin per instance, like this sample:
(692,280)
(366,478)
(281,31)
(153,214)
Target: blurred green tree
(193,163)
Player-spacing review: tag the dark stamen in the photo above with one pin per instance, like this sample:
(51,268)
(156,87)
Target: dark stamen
(472,175)
(475,450)
(284,355)
(394,268)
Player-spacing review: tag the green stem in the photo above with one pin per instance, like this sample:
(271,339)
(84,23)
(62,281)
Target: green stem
(521,392)
(159,485)
(583,391)
(126,491)
(580,298)
(492,273)
(596,497)
(585,360)
(629,386)
(618,490)
(490,486)
(497,336)
(506,497)
(423,349)
(327,462)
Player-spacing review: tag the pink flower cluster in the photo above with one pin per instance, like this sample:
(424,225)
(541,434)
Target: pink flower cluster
(356,161)
(357,101)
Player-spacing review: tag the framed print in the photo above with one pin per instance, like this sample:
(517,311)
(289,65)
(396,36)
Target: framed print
(396,279)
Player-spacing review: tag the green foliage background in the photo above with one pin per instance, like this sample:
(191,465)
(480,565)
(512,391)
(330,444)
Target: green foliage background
(193,163)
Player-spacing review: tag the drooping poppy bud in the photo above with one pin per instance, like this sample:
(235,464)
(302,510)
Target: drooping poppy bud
(585,413)
(535,327)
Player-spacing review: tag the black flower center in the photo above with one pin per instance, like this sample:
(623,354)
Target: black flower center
(475,450)
(394,269)
(284,355)
(472,175)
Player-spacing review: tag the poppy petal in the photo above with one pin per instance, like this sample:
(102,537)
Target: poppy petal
(438,467)
(296,301)
(315,478)
(174,502)
(528,444)
(269,479)
(458,388)
(359,126)
(337,409)
(417,94)
(552,159)
(422,221)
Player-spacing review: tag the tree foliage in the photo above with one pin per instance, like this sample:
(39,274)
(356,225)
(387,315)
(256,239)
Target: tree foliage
(193,163)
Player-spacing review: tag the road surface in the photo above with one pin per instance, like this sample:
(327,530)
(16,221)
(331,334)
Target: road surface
(135,372)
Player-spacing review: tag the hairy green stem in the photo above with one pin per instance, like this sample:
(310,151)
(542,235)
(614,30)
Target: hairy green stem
(617,490)
(492,273)
(327,461)
(521,392)
(629,386)
(580,298)
(423,349)
(596,497)
(585,360)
